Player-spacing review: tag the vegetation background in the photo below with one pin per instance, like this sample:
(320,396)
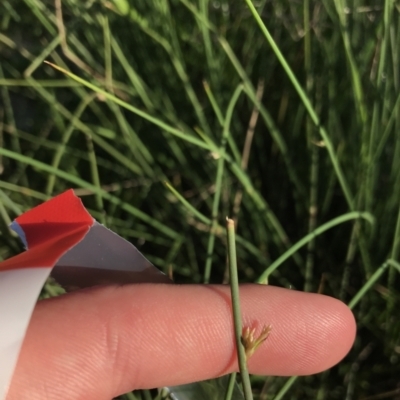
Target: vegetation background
(200,111)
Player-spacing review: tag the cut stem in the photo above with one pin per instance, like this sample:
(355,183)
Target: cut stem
(237,320)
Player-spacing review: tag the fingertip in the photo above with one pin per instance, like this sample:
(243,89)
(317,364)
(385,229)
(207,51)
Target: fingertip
(310,334)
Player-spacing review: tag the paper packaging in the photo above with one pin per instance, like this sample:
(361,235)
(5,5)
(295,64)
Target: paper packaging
(61,239)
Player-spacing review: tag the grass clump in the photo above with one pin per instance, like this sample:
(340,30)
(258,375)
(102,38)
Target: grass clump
(284,115)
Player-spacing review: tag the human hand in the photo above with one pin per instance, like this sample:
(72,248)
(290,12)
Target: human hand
(102,342)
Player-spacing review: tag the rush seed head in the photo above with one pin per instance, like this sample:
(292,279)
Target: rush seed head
(250,343)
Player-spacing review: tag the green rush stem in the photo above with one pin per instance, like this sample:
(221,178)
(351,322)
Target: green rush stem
(95,189)
(130,396)
(213,102)
(146,395)
(23,190)
(210,57)
(218,229)
(65,139)
(95,176)
(302,242)
(53,83)
(218,182)
(313,194)
(392,273)
(42,56)
(266,116)
(108,67)
(355,76)
(135,110)
(230,387)
(206,144)
(237,319)
(377,274)
(307,104)
(285,388)
(190,209)
(359,295)
(351,251)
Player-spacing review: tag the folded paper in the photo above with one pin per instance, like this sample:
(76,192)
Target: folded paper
(61,239)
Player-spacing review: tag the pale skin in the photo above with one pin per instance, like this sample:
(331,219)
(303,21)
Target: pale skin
(102,342)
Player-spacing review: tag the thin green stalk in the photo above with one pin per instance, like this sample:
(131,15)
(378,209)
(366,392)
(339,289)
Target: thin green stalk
(81,183)
(210,56)
(54,83)
(41,142)
(8,113)
(172,48)
(136,81)
(107,147)
(108,66)
(371,167)
(269,121)
(285,388)
(187,205)
(205,144)
(7,203)
(355,75)
(396,239)
(312,217)
(135,110)
(218,182)
(394,255)
(351,252)
(252,249)
(23,190)
(174,250)
(328,225)
(244,159)
(146,395)
(94,171)
(130,396)
(40,13)
(218,114)
(66,135)
(42,56)
(12,45)
(213,102)
(178,55)
(386,133)
(237,319)
(394,264)
(307,104)
(231,386)
(279,235)
(314,150)
(136,146)
(371,281)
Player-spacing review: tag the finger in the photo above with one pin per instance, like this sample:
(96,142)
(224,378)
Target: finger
(102,342)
